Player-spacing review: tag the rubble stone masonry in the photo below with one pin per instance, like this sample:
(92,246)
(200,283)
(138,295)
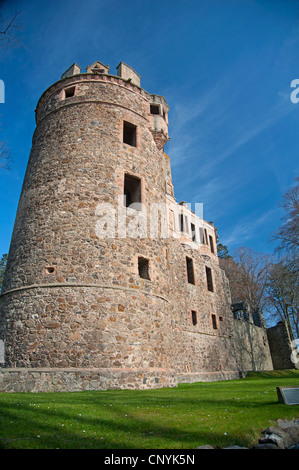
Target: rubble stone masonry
(77,312)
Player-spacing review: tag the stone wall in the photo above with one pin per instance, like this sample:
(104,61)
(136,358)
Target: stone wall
(280,346)
(73,380)
(252,347)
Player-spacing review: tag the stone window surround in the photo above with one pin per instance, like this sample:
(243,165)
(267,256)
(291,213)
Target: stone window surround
(194,317)
(214,321)
(148,270)
(162,113)
(62,94)
(121,182)
(189,265)
(135,270)
(129,121)
(209,279)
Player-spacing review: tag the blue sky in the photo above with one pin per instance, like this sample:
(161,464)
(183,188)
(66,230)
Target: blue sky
(225,68)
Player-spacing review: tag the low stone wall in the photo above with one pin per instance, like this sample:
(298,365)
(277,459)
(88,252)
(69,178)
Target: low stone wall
(72,379)
(209,376)
(34,380)
(252,347)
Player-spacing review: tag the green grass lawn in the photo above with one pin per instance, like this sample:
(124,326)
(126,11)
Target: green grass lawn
(217,413)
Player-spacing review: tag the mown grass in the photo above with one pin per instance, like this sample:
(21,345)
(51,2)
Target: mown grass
(217,413)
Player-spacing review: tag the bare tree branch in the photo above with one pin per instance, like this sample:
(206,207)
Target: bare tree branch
(8,29)
(5,157)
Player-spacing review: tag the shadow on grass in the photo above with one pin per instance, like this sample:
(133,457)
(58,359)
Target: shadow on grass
(43,429)
(182,418)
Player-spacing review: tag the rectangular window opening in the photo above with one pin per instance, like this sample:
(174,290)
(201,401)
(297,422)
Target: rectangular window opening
(205,237)
(155,109)
(211,244)
(132,191)
(69,92)
(201,237)
(129,134)
(214,321)
(190,270)
(143,268)
(193,233)
(181,222)
(194,317)
(209,279)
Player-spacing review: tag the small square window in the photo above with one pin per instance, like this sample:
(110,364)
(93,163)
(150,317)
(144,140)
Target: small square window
(129,134)
(69,92)
(209,279)
(143,268)
(194,317)
(155,109)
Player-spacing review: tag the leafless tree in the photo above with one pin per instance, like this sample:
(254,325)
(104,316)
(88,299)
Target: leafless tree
(283,293)
(247,272)
(288,233)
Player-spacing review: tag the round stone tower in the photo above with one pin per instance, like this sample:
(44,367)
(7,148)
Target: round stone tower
(80,293)
(110,283)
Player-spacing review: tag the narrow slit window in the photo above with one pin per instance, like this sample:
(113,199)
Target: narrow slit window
(214,321)
(181,222)
(69,92)
(143,268)
(193,233)
(155,109)
(129,134)
(211,244)
(194,317)
(201,238)
(209,279)
(132,191)
(190,270)
(205,237)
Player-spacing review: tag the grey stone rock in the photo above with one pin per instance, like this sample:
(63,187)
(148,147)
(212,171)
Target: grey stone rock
(265,446)
(273,439)
(205,447)
(295,446)
(236,447)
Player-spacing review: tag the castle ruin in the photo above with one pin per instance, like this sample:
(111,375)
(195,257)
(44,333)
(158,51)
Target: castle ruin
(110,282)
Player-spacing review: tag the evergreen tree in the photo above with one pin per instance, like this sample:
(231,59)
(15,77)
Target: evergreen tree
(222,251)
